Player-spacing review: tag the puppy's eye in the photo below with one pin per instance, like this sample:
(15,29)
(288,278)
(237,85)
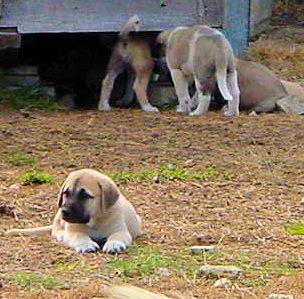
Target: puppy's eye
(83,194)
(66,192)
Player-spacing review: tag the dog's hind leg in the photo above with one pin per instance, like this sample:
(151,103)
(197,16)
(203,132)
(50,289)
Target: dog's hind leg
(233,106)
(204,98)
(181,85)
(128,97)
(140,87)
(107,86)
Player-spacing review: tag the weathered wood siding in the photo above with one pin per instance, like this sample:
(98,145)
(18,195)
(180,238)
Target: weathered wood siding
(40,16)
(56,16)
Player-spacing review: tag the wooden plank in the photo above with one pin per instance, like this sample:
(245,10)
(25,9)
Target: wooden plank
(213,12)
(37,16)
(237,25)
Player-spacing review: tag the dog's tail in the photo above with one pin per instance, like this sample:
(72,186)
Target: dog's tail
(131,292)
(221,77)
(133,24)
(221,67)
(31,231)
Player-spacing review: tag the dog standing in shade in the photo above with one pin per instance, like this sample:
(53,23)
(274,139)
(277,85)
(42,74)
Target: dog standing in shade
(129,52)
(202,54)
(91,208)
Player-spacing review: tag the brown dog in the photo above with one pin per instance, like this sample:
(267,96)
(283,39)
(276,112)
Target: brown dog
(92,208)
(204,55)
(260,89)
(294,89)
(134,52)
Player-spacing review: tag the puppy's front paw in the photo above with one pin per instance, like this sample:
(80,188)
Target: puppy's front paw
(182,109)
(149,108)
(87,247)
(104,107)
(60,237)
(114,247)
(196,113)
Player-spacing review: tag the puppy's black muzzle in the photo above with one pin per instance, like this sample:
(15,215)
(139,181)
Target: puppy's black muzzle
(75,214)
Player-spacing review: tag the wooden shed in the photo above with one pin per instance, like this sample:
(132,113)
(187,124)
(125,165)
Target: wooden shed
(237,18)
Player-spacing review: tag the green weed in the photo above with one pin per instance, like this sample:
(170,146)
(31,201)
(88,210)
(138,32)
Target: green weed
(34,177)
(35,281)
(168,172)
(28,98)
(296,229)
(21,159)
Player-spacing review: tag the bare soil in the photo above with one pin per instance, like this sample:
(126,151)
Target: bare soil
(245,212)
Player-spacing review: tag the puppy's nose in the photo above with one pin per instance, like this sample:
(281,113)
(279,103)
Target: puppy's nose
(66,212)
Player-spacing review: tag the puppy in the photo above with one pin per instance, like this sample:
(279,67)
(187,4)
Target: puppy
(260,88)
(130,292)
(204,55)
(129,52)
(91,208)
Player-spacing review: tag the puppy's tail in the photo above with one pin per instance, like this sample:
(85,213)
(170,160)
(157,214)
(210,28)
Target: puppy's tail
(31,231)
(221,65)
(133,24)
(130,292)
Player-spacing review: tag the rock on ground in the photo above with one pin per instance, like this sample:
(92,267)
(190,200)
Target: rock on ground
(219,271)
(223,283)
(203,249)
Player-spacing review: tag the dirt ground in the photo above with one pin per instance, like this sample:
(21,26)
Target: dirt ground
(243,207)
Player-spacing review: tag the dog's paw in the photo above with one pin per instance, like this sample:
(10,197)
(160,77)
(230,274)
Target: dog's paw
(114,247)
(149,108)
(228,113)
(195,113)
(182,109)
(87,247)
(104,107)
(60,237)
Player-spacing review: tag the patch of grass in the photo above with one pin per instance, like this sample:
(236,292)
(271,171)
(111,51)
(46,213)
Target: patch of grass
(35,281)
(273,268)
(144,261)
(35,177)
(169,172)
(21,159)
(28,98)
(66,267)
(296,229)
(255,282)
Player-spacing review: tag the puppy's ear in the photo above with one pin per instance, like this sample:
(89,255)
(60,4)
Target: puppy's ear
(163,37)
(60,195)
(109,194)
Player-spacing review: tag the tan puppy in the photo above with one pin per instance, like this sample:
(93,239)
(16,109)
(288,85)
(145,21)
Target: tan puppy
(204,55)
(92,208)
(130,292)
(134,52)
(260,89)
(294,89)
